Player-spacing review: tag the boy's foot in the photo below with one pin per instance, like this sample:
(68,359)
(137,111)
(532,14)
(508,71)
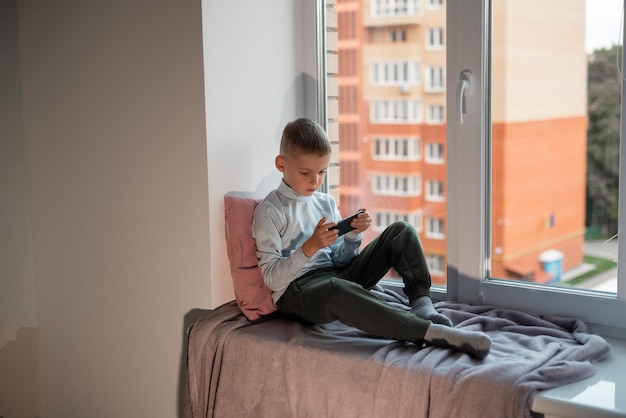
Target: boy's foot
(474,343)
(423,307)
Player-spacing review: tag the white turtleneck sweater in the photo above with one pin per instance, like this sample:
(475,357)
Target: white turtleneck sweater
(282,223)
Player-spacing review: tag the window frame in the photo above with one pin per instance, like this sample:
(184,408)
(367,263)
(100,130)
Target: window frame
(468,50)
(467,190)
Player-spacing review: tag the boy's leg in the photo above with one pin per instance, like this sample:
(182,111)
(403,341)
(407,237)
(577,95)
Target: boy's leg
(321,298)
(398,247)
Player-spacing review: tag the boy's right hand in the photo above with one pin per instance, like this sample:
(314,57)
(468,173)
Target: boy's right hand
(322,237)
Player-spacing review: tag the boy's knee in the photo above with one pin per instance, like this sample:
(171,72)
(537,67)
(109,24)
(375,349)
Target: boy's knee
(400,227)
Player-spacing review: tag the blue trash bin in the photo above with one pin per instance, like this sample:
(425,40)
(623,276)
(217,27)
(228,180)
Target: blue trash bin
(552,261)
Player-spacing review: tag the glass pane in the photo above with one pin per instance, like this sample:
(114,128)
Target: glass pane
(555,111)
(391,59)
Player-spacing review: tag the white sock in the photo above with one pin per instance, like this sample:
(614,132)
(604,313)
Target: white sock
(423,307)
(474,343)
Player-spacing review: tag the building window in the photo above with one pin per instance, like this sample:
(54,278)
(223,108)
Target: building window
(397,35)
(383,219)
(434,4)
(401,73)
(434,153)
(396,149)
(389,8)
(435,82)
(435,264)
(435,115)
(434,228)
(390,185)
(434,38)
(396,111)
(434,191)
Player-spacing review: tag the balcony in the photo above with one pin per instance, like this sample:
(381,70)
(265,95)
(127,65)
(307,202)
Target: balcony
(393,13)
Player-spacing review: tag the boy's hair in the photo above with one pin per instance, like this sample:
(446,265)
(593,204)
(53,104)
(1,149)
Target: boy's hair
(304,136)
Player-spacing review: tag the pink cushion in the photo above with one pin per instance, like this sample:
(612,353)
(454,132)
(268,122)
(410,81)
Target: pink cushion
(253,296)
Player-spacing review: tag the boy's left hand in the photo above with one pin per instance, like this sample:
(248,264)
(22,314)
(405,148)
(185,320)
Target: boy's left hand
(361,222)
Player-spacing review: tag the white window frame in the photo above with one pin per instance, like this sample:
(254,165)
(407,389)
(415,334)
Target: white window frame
(468,22)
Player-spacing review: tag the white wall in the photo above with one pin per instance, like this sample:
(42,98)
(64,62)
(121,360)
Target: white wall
(127,174)
(254,80)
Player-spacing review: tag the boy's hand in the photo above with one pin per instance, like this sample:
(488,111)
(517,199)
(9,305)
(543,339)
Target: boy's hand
(361,222)
(322,237)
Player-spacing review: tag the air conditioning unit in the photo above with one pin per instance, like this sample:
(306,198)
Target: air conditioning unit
(405,88)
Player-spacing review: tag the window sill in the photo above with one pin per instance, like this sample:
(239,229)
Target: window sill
(600,396)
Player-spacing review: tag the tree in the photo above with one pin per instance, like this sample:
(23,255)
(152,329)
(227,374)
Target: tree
(603,139)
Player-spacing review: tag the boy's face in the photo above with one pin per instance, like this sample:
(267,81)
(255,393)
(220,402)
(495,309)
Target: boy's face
(304,173)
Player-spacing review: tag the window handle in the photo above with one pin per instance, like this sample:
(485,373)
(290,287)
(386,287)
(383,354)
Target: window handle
(464,88)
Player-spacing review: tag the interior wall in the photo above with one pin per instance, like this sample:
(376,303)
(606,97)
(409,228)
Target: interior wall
(255,75)
(19,394)
(130,145)
(114,127)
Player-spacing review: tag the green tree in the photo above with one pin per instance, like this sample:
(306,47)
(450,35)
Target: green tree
(603,139)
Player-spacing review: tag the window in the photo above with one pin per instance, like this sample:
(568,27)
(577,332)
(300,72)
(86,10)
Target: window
(434,153)
(397,149)
(435,114)
(435,264)
(392,114)
(434,228)
(397,35)
(390,185)
(434,191)
(522,150)
(434,4)
(396,111)
(386,8)
(434,79)
(403,73)
(520,114)
(434,38)
(384,219)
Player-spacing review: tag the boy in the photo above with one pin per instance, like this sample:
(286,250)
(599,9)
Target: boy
(320,277)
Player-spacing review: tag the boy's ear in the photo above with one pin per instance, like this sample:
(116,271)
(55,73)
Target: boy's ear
(280,163)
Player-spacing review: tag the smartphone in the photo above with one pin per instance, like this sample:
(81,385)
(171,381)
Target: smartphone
(344,225)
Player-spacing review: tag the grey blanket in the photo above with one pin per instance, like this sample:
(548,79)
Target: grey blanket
(282,368)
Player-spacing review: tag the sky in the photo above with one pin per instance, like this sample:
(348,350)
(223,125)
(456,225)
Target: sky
(604,18)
